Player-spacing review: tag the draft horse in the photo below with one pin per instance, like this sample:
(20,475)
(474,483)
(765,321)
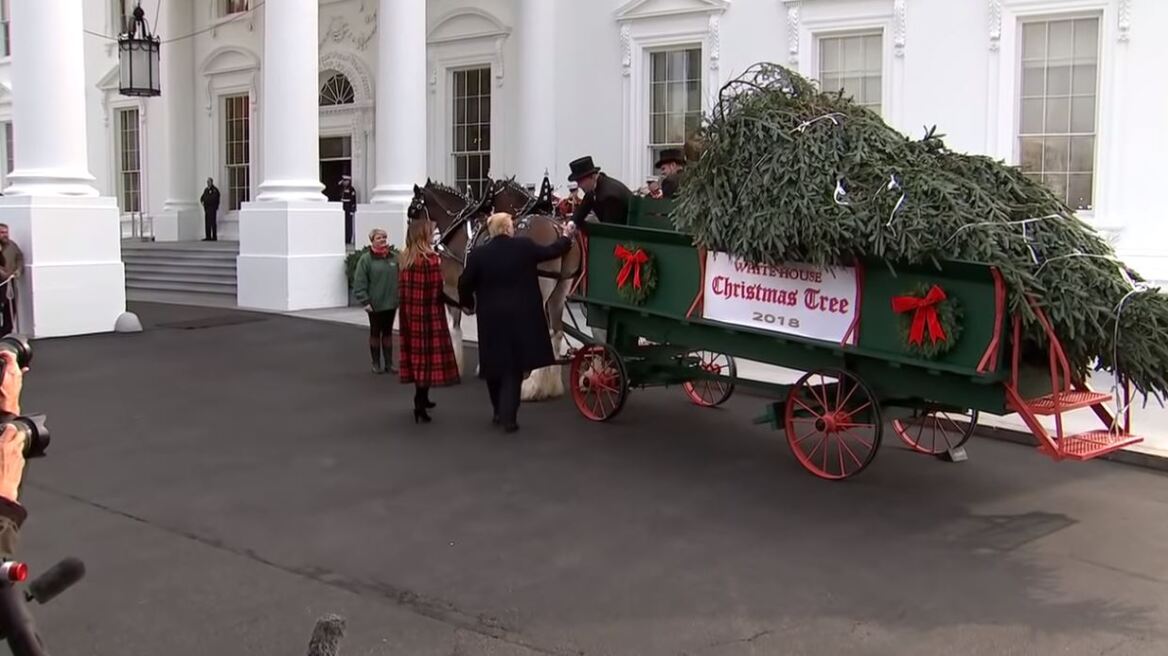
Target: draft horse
(535,218)
(456,218)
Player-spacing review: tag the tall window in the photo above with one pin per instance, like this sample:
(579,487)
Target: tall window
(471,153)
(233,6)
(337,90)
(853,64)
(675,106)
(237,150)
(9,154)
(1060,64)
(5,41)
(129,162)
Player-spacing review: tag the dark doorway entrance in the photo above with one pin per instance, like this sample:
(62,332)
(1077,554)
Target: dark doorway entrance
(335,162)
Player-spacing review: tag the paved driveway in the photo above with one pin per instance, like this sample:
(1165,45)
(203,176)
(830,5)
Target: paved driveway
(229,484)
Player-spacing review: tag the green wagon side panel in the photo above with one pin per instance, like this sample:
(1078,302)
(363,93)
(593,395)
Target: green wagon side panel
(971,285)
(879,357)
(675,258)
(650,213)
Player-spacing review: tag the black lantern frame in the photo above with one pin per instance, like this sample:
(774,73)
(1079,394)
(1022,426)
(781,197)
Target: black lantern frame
(138,59)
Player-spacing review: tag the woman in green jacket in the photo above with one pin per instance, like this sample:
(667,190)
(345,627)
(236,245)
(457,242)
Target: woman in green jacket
(375,287)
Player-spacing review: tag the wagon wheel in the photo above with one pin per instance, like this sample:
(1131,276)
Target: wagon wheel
(712,393)
(934,432)
(834,429)
(599,381)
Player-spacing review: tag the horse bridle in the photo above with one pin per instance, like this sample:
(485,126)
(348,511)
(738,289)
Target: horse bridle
(461,220)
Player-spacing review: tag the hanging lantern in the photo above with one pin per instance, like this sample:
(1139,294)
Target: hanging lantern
(138,58)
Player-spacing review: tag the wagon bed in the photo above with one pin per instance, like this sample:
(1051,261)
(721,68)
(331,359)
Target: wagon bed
(838,325)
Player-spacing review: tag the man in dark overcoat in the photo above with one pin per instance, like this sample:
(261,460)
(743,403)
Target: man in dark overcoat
(671,163)
(607,197)
(501,284)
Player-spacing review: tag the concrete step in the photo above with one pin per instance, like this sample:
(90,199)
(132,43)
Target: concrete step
(199,278)
(181,267)
(179,256)
(181,286)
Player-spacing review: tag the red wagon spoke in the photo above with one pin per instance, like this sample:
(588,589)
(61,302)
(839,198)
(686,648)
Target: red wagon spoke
(952,434)
(833,424)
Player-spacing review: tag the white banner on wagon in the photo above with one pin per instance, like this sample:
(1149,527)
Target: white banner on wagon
(795,299)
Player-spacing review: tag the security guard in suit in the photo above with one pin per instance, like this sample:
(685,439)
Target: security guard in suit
(606,197)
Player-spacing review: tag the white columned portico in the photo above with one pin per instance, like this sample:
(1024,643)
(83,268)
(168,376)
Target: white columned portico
(291,240)
(401,117)
(74,281)
(537,47)
(182,217)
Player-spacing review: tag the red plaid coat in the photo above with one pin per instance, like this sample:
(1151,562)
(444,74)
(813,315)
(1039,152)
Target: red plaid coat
(427,355)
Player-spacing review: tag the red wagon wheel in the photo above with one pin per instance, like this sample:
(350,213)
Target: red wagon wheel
(834,429)
(934,432)
(599,381)
(712,393)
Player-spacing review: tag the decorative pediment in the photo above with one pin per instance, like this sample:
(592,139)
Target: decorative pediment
(468,23)
(637,9)
(111,81)
(229,59)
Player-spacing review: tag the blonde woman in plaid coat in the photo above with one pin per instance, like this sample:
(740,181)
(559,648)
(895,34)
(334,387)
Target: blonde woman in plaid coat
(427,354)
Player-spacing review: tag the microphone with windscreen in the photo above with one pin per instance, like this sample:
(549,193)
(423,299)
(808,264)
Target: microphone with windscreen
(56,580)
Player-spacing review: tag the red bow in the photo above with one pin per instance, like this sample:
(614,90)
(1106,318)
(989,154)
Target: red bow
(632,265)
(925,310)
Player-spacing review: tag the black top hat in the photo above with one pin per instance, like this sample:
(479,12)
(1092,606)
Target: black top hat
(670,155)
(582,168)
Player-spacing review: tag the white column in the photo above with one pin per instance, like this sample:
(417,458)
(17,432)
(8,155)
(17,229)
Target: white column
(73,282)
(48,88)
(291,241)
(181,218)
(537,46)
(401,117)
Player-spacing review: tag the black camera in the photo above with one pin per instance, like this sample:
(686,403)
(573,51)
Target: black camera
(32,429)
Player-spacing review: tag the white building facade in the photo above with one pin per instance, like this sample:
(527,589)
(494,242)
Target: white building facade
(277,99)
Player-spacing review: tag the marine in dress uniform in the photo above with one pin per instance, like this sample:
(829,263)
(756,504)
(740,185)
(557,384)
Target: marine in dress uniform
(349,204)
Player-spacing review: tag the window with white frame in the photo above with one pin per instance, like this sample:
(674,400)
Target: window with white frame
(471,118)
(129,161)
(229,7)
(675,102)
(337,90)
(1059,93)
(5,33)
(237,150)
(853,64)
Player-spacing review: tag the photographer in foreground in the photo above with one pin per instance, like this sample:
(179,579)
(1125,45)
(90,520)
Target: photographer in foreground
(12,514)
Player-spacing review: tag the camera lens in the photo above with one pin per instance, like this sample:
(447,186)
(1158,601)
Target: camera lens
(33,430)
(19,347)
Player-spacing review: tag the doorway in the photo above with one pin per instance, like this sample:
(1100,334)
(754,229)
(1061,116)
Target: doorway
(336,161)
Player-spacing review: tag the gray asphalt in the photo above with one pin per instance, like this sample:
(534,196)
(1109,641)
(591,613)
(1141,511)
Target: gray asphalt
(228,485)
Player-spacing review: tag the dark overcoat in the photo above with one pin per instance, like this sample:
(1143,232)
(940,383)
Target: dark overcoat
(427,354)
(501,284)
(609,201)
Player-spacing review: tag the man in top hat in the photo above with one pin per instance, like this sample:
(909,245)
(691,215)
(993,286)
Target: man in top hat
(349,204)
(606,197)
(671,163)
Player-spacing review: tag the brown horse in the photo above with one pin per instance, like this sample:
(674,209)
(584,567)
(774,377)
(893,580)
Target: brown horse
(535,219)
(456,218)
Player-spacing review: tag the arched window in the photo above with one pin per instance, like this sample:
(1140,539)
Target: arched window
(337,90)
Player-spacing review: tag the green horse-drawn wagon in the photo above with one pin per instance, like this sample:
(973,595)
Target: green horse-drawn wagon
(925,348)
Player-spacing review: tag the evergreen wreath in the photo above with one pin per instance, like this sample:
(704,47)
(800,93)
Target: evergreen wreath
(637,273)
(949,317)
